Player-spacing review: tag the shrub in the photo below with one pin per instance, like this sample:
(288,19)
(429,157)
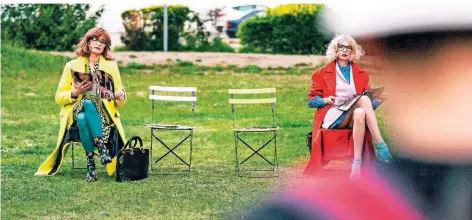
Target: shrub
(218,68)
(120,48)
(216,45)
(184,63)
(253,69)
(47,26)
(202,68)
(144,28)
(286,29)
(186,31)
(135,65)
(250,48)
(293,9)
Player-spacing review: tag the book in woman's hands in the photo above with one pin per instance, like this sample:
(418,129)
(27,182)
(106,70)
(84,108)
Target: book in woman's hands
(102,88)
(371,93)
(81,77)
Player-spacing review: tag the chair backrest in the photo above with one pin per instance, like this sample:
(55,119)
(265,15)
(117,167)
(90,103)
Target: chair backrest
(252,101)
(156,90)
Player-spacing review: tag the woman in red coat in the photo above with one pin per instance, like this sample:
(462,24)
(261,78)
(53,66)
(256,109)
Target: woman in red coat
(336,82)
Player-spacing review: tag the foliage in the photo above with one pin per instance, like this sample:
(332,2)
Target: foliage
(144,28)
(186,30)
(293,9)
(215,45)
(286,29)
(47,26)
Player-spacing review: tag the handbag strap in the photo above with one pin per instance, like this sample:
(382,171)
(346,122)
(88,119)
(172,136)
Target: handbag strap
(133,141)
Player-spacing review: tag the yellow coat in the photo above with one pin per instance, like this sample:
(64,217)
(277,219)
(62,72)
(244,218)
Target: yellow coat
(63,98)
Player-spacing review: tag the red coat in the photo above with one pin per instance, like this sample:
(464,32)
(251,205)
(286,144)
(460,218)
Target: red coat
(324,85)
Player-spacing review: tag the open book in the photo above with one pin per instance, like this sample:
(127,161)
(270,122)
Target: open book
(80,77)
(371,93)
(98,89)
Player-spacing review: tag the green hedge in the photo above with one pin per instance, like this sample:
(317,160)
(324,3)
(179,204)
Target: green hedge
(295,32)
(47,26)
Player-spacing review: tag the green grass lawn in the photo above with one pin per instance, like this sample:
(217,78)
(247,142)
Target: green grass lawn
(30,123)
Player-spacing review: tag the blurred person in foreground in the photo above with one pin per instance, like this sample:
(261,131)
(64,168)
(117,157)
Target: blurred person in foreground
(425,57)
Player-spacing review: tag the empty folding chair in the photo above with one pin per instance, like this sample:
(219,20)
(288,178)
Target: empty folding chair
(259,129)
(155,127)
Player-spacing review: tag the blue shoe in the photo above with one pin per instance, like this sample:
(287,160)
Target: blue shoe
(382,153)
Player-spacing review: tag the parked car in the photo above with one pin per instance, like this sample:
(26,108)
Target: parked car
(227,13)
(232,25)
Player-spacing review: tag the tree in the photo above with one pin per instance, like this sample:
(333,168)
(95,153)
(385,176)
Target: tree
(47,26)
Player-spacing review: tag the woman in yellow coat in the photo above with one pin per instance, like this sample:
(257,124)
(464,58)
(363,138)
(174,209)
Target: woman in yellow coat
(90,92)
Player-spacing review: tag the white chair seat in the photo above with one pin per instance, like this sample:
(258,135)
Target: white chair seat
(256,129)
(169,126)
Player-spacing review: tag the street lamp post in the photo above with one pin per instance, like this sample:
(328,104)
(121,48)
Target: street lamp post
(165,28)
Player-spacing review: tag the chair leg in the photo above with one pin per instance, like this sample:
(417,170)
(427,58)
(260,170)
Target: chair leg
(236,150)
(273,162)
(72,146)
(150,164)
(170,150)
(276,160)
(73,158)
(191,147)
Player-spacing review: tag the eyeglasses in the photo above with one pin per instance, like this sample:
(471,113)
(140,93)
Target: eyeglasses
(344,47)
(96,40)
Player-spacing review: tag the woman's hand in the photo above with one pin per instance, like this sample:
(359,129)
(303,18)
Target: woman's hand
(329,100)
(120,95)
(80,88)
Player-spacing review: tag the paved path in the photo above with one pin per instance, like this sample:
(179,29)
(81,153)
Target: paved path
(210,58)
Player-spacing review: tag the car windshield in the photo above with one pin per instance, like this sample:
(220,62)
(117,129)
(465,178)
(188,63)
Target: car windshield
(245,7)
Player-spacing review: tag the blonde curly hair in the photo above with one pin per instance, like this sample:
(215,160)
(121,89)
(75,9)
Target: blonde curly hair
(332,50)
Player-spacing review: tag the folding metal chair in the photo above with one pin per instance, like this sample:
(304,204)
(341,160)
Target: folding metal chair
(237,131)
(161,127)
(74,159)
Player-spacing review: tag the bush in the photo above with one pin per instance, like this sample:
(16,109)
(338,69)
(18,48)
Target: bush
(135,65)
(184,63)
(186,31)
(218,68)
(252,68)
(216,45)
(145,27)
(293,9)
(47,26)
(286,29)
(250,49)
(120,48)
(219,45)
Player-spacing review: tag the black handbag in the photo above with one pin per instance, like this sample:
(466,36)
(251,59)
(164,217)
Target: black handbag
(133,162)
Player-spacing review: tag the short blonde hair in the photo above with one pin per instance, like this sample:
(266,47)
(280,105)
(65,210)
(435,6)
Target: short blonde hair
(332,50)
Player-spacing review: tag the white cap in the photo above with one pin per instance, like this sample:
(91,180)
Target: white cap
(374,19)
